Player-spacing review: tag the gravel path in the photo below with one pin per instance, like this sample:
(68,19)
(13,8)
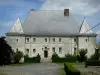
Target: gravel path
(32,69)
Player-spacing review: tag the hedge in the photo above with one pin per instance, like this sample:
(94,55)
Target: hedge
(32,60)
(70,70)
(64,59)
(92,63)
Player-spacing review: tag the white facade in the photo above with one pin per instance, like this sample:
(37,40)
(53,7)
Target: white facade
(46,45)
(67,45)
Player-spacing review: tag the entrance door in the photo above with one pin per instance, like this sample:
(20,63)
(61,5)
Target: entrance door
(45,54)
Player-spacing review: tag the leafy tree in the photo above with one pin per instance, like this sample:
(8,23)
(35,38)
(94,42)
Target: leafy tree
(17,57)
(96,55)
(82,55)
(6,52)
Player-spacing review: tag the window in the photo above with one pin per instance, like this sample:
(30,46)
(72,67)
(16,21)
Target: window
(27,39)
(60,49)
(86,40)
(53,39)
(86,50)
(17,49)
(74,51)
(45,39)
(53,49)
(34,50)
(17,40)
(27,51)
(45,47)
(74,39)
(59,39)
(34,39)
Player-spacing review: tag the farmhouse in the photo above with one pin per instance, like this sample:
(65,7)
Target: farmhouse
(49,31)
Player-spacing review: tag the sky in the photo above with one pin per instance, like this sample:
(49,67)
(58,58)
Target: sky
(10,10)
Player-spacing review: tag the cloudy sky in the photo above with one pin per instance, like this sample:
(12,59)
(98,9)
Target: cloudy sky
(11,9)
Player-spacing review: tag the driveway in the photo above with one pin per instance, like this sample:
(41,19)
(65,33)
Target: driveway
(32,69)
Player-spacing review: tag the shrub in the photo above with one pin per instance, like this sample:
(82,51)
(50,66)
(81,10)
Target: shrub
(82,55)
(37,58)
(95,56)
(55,57)
(68,55)
(67,58)
(17,57)
(70,70)
(92,63)
(71,59)
(32,60)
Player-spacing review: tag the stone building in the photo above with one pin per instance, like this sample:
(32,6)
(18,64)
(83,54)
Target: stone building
(49,31)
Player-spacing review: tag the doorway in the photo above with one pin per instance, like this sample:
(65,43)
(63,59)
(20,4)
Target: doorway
(45,54)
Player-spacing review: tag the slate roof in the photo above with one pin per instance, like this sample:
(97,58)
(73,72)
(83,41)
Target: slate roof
(50,22)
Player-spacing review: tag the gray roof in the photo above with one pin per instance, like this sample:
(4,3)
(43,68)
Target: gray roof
(50,22)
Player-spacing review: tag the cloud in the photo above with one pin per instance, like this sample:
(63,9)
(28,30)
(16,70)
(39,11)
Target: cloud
(80,7)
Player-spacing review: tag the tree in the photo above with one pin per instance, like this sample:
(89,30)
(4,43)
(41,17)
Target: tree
(6,52)
(82,55)
(17,57)
(96,55)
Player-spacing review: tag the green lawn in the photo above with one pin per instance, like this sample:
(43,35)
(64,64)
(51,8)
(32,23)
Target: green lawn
(62,72)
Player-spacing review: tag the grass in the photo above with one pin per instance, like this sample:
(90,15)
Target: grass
(61,71)
(70,67)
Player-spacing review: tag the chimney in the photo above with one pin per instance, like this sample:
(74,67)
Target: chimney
(32,9)
(66,12)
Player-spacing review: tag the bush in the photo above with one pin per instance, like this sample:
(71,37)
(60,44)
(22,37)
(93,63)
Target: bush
(96,55)
(68,55)
(55,57)
(67,58)
(92,63)
(82,55)
(70,70)
(32,60)
(17,57)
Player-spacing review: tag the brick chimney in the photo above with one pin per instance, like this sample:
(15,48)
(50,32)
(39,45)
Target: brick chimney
(66,12)
(32,9)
